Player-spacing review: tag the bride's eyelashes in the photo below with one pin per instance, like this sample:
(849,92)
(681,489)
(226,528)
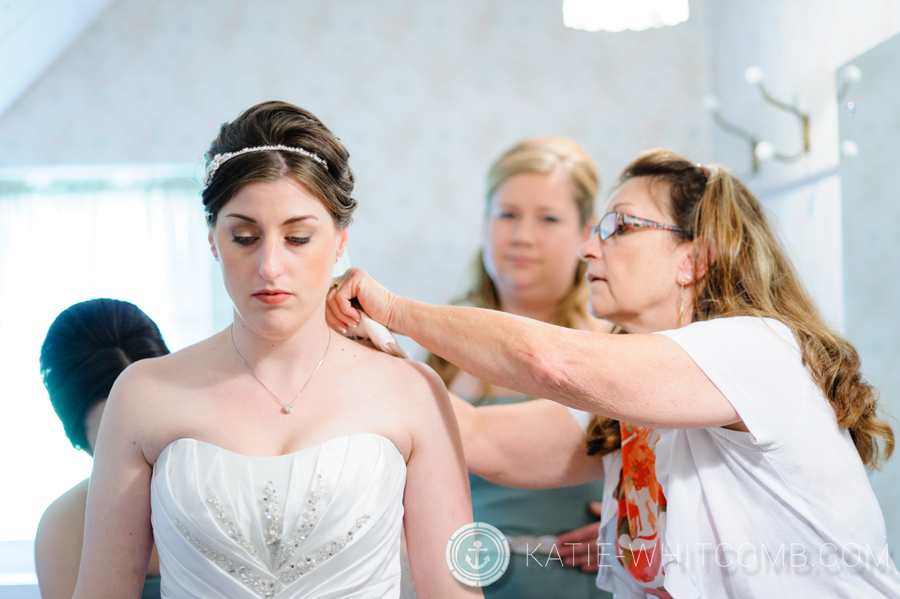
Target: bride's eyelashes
(244,239)
(291,239)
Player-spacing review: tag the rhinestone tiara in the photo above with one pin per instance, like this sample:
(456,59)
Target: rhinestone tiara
(219,159)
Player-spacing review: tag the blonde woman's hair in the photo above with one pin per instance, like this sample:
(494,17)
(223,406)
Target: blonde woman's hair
(749,274)
(543,155)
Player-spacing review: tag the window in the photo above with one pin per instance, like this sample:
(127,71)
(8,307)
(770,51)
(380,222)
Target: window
(66,235)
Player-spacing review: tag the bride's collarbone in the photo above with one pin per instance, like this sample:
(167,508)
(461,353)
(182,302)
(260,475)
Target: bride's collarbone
(215,402)
(254,443)
(253,424)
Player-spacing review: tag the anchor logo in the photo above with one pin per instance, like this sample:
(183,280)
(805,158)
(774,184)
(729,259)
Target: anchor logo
(464,554)
(477,549)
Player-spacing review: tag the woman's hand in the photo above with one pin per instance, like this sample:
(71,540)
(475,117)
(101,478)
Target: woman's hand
(376,301)
(584,553)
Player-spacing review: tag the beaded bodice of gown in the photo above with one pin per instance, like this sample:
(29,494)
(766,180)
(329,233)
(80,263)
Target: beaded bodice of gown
(323,522)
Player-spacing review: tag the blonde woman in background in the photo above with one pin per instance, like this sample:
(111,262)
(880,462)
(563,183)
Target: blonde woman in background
(540,201)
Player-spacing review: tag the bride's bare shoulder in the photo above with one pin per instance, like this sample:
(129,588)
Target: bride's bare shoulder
(158,380)
(396,380)
(152,399)
(183,362)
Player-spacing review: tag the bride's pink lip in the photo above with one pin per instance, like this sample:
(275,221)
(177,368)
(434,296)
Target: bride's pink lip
(272,296)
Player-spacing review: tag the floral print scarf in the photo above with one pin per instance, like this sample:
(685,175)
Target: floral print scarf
(640,525)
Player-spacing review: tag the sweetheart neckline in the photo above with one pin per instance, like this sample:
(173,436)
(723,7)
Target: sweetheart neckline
(285,455)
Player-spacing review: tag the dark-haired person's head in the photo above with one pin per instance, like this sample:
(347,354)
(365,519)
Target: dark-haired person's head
(86,349)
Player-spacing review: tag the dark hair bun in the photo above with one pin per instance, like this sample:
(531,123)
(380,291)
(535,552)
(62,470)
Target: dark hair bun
(86,349)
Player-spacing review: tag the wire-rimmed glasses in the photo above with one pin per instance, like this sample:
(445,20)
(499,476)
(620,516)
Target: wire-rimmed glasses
(618,222)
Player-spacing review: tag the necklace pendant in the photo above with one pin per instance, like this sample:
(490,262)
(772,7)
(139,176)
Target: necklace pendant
(289,407)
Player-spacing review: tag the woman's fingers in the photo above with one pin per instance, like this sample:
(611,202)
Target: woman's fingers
(332,315)
(341,314)
(591,568)
(334,320)
(588,560)
(376,301)
(585,533)
(581,550)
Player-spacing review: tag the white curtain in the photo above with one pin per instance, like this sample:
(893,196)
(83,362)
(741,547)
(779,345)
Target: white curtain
(134,234)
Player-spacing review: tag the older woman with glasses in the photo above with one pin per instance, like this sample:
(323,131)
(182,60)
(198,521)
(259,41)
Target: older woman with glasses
(756,409)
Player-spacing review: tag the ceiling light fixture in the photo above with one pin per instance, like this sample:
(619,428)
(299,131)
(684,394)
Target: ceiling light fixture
(619,15)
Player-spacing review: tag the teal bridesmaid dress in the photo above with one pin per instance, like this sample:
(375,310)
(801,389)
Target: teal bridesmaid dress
(528,512)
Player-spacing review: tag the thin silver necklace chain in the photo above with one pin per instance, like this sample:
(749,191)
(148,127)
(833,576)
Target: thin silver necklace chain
(286,407)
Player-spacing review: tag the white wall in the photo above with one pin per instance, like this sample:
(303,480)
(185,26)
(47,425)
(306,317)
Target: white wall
(871,221)
(34,34)
(807,218)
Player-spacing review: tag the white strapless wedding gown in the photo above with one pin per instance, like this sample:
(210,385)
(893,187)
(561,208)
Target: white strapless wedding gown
(320,523)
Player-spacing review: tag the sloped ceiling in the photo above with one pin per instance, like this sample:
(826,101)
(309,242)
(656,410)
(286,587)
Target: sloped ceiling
(34,34)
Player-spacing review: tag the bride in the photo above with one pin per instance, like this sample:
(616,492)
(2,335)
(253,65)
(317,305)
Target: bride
(276,458)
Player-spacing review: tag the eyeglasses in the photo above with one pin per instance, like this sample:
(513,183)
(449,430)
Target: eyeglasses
(618,222)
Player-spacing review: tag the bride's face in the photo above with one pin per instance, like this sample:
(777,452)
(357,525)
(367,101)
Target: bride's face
(277,245)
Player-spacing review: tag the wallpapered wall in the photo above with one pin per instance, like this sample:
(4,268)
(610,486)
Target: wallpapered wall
(424,95)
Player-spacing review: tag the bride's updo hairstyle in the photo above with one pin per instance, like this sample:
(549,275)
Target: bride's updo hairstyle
(308,152)
(749,274)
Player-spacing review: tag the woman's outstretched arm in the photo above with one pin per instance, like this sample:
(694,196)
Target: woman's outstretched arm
(118,537)
(530,445)
(647,380)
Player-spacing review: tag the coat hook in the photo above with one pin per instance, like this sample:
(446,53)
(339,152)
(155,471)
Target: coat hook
(850,74)
(754,76)
(711,104)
